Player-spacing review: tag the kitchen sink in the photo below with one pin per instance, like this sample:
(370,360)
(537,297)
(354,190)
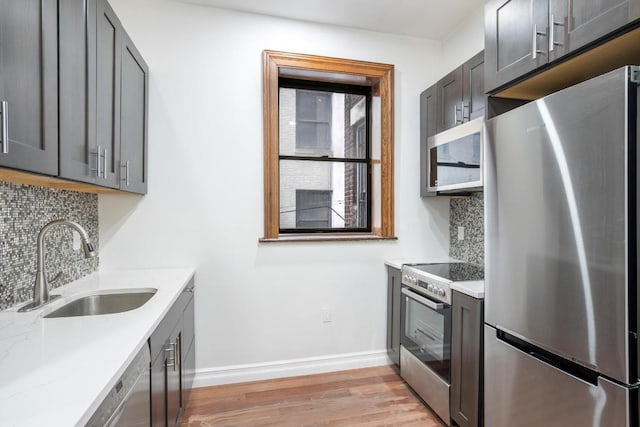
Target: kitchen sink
(104,303)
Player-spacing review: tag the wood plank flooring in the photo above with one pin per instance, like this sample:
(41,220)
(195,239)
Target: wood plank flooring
(362,397)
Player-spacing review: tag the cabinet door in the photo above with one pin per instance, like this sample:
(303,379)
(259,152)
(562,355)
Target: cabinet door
(174,379)
(466,360)
(577,23)
(188,373)
(109,56)
(133,119)
(77,43)
(474,99)
(158,390)
(429,111)
(29,85)
(450,89)
(515,39)
(393,314)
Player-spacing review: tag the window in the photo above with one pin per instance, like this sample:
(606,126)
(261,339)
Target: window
(313,209)
(313,120)
(328,148)
(323,149)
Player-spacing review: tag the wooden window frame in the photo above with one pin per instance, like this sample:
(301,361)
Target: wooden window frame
(376,75)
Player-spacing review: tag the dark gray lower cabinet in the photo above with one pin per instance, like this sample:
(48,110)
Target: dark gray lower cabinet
(466,360)
(393,314)
(29,85)
(173,362)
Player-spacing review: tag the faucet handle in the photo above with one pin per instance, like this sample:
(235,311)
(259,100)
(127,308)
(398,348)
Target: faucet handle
(59,276)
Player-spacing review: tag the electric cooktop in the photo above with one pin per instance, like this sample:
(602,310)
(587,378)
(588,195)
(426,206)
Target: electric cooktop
(453,271)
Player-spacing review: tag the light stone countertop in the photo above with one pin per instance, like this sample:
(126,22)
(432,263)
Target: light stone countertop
(473,288)
(56,372)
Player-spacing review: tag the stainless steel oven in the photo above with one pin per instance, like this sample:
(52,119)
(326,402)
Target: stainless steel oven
(425,338)
(426,331)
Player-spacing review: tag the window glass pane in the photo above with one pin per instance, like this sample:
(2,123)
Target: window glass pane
(323,195)
(320,123)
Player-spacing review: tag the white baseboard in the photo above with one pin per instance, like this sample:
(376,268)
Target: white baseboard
(289,368)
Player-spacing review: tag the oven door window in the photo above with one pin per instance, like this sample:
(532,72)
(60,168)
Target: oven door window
(427,334)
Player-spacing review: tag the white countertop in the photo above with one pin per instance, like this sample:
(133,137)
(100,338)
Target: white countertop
(55,372)
(474,288)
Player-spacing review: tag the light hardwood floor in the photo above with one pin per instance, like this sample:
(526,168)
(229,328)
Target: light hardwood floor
(362,397)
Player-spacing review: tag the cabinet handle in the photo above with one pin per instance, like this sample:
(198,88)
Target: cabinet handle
(104,166)
(535,52)
(125,166)
(466,106)
(171,361)
(552,25)
(178,351)
(4,111)
(98,155)
(455,114)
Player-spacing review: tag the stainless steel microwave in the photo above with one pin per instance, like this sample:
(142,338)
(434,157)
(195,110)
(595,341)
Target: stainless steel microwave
(455,158)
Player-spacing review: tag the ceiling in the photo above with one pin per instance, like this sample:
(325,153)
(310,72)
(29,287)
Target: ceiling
(431,19)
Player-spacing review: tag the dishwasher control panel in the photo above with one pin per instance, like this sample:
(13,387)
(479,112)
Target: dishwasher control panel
(107,413)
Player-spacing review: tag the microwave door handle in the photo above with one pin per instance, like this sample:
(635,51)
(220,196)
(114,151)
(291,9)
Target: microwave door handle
(423,300)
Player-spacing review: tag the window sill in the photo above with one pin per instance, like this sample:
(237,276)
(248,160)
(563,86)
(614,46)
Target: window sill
(325,237)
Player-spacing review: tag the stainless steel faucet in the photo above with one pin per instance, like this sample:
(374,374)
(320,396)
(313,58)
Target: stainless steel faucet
(41,285)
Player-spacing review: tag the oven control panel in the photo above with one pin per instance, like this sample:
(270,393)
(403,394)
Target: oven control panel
(429,288)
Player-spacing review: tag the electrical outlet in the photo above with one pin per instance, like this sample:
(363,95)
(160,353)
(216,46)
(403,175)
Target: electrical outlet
(460,233)
(326,316)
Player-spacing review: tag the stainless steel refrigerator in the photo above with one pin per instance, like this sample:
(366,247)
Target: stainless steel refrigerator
(561,307)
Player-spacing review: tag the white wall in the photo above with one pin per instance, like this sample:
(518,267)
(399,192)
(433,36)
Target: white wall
(463,42)
(259,304)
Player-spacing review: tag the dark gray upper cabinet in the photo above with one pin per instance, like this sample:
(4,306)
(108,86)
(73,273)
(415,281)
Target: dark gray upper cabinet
(511,47)
(574,24)
(461,94)
(455,99)
(474,99)
(29,85)
(524,35)
(450,89)
(109,56)
(393,314)
(429,116)
(133,118)
(93,45)
(467,316)
(79,157)
(75,88)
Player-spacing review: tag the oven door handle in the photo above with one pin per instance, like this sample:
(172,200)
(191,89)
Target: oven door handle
(423,300)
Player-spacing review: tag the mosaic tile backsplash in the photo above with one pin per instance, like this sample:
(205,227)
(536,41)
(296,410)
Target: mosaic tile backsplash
(467,212)
(24,210)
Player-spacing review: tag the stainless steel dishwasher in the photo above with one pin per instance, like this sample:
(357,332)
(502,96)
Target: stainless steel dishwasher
(129,401)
